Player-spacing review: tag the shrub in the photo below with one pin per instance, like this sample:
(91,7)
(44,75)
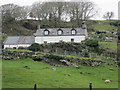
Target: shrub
(21,47)
(34,47)
(91,43)
(14,48)
(85,53)
(8,48)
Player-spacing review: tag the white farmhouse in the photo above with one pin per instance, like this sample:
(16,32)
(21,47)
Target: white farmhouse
(53,35)
(48,35)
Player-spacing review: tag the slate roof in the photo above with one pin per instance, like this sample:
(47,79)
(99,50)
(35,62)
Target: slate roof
(66,31)
(16,40)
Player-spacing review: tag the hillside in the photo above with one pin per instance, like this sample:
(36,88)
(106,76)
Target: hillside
(28,27)
(103,25)
(18,28)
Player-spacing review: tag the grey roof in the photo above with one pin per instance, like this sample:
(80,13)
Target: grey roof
(15,40)
(66,31)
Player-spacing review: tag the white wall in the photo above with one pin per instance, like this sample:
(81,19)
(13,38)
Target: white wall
(20,45)
(50,39)
(53,39)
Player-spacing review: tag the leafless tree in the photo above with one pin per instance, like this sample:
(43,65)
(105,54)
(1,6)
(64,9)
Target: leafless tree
(88,10)
(108,15)
(12,11)
(81,10)
(36,10)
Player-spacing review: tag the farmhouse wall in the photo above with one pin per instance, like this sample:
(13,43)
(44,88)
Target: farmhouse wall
(54,39)
(20,45)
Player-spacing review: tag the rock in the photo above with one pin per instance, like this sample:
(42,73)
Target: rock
(54,69)
(111,69)
(67,74)
(81,73)
(70,64)
(85,73)
(26,67)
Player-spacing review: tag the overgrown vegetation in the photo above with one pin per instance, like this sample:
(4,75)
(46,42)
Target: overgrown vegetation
(34,47)
(91,43)
(84,49)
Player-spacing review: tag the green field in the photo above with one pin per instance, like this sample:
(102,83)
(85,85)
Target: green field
(108,45)
(103,25)
(15,75)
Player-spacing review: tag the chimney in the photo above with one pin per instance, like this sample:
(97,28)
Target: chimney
(38,27)
(84,25)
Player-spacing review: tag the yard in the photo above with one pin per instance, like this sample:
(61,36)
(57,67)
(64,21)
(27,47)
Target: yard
(24,73)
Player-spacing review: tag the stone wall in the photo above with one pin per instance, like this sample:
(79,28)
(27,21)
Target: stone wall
(52,59)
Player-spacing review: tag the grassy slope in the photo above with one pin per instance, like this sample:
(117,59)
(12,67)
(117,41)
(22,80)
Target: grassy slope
(19,29)
(103,25)
(109,45)
(16,76)
(13,29)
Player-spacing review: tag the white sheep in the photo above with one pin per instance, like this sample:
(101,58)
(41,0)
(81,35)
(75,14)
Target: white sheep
(107,81)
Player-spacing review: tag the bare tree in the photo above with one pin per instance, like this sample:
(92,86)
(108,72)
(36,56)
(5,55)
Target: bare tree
(108,15)
(81,10)
(36,10)
(14,12)
(88,10)
(25,11)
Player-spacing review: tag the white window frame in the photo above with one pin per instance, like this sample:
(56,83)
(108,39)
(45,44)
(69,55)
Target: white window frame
(59,32)
(73,32)
(46,32)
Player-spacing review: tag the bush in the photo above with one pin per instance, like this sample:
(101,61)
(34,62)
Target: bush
(91,43)
(21,47)
(8,48)
(85,53)
(34,47)
(14,48)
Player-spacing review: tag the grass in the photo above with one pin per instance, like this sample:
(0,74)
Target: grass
(16,76)
(103,26)
(108,45)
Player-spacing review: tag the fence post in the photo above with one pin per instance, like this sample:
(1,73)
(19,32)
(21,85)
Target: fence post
(35,87)
(90,86)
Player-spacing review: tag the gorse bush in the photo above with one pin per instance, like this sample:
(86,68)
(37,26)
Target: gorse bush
(34,47)
(92,43)
(21,47)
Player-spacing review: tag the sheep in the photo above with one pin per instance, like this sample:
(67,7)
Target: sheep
(107,81)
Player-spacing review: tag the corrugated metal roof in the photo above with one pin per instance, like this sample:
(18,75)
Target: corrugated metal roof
(66,31)
(15,40)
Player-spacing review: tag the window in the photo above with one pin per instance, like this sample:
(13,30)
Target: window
(73,31)
(46,32)
(72,40)
(60,32)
